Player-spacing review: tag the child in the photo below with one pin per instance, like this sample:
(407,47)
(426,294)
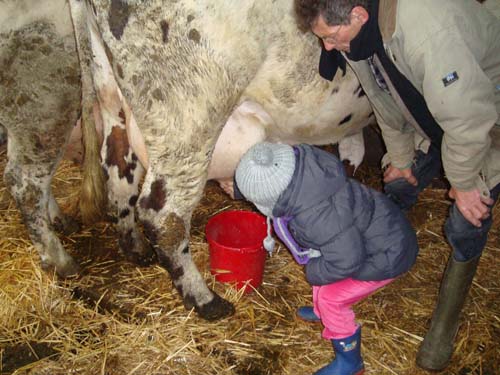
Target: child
(358,240)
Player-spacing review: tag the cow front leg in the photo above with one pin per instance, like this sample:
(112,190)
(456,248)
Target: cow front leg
(123,172)
(169,232)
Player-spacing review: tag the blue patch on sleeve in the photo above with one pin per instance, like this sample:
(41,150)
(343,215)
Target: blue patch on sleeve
(450,78)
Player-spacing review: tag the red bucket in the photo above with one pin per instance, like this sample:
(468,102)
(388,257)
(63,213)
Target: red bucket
(236,251)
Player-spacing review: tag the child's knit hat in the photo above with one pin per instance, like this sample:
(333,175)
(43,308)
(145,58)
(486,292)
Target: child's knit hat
(264,172)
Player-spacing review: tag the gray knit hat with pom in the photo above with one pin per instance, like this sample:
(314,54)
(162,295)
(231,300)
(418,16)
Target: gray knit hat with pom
(264,172)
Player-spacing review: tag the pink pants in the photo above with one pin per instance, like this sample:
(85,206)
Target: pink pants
(333,304)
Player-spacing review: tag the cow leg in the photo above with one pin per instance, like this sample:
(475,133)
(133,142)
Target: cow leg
(123,172)
(29,183)
(165,217)
(39,102)
(167,228)
(120,163)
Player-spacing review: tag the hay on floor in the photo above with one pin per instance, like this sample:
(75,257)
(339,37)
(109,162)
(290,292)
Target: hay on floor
(119,319)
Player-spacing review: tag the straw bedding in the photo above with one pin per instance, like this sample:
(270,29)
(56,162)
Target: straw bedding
(118,319)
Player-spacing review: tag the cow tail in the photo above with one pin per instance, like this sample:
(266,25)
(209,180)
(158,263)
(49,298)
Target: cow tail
(93,196)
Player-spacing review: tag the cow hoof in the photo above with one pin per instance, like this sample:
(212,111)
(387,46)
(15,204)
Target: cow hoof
(216,309)
(142,260)
(71,268)
(66,225)
(136,248)
(350,169)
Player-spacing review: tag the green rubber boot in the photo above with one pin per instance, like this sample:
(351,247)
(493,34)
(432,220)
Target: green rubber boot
(436,350)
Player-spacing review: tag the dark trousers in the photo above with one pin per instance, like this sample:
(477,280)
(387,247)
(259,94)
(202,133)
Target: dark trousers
(466,240)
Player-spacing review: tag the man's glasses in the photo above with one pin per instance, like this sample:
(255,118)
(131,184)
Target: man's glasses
(332,38)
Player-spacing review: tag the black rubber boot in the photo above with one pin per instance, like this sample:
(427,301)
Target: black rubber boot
(437,347)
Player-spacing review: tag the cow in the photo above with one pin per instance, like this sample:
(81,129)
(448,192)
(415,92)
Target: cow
(166,76)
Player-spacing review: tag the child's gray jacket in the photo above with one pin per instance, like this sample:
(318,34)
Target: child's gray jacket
(359,231)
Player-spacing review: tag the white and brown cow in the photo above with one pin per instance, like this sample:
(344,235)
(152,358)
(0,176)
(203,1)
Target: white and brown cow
(182,66)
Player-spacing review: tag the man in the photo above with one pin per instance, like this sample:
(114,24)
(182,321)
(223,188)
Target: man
(431,70)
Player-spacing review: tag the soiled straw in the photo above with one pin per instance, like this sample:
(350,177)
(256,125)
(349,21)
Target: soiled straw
(129,320)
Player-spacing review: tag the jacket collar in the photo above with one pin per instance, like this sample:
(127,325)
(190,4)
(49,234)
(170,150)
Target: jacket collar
(387,18)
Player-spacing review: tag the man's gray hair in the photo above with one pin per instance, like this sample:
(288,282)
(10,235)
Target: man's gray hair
(334,12)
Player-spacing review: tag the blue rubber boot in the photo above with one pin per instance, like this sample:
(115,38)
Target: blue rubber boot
(307,313)
(348,359)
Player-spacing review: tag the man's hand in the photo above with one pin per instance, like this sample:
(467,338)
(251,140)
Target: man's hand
(472,205)
(392,173)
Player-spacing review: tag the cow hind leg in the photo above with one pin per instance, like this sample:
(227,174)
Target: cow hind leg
(122,168)
(29,184)
(123,172)
(39,102)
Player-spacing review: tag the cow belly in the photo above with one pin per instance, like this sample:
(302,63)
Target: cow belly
(320,117)
(247,125)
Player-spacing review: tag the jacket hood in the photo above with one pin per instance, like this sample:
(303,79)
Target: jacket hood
(318,175)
